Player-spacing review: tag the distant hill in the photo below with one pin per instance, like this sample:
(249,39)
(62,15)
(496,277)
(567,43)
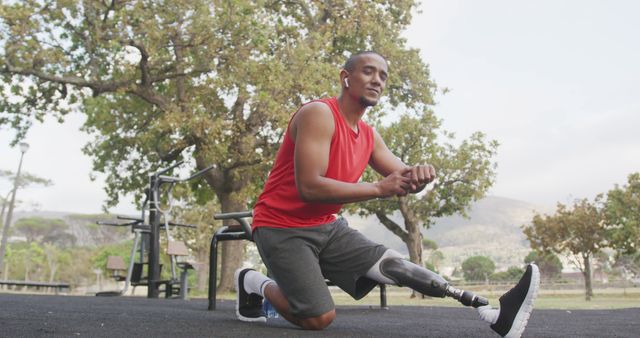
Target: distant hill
(83,227)
(492,229)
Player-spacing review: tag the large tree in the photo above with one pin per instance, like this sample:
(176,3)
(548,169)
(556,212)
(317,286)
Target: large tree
(464,171)
(622,210)
(579,230)
(213,82)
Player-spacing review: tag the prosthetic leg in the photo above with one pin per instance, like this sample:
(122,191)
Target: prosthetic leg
(405,273)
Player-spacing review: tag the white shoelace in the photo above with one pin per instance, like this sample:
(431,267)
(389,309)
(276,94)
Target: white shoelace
(488,314)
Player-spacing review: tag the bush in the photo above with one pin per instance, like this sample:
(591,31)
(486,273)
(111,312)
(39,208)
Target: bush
(549,264)
(430,266)
(478,268)
(513,273)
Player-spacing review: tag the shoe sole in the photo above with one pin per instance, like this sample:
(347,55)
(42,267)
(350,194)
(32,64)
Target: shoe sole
(522,318)
(236,279)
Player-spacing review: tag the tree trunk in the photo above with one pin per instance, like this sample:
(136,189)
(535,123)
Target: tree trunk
(232,251)
(52,273)
(203,269)
(413,238)
(26,270)
(414,245)
(587,277)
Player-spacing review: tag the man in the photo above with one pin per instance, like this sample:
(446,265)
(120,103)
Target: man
(323,154)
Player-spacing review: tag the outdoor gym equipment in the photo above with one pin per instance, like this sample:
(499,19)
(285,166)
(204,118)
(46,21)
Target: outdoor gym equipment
(134,276)
(148,235)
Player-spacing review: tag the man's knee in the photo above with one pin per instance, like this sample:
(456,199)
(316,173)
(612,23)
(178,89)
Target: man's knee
(319,322)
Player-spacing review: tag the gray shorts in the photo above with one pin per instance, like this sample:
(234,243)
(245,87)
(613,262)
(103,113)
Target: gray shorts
(299,260)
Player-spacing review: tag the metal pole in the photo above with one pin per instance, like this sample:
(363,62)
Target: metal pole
(5,228)
(154,240)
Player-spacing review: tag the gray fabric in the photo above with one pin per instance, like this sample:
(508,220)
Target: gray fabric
(299,260)
(375,273)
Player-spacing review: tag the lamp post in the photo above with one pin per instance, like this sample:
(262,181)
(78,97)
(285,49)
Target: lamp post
(5,230)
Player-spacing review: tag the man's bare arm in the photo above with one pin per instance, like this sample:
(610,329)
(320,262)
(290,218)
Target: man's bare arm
(385,162)
(312,130)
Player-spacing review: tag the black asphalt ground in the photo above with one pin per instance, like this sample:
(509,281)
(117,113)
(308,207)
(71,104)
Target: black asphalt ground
(85,316)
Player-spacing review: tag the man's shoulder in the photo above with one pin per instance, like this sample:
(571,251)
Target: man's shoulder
(323,104)
(316,115)
(317,108)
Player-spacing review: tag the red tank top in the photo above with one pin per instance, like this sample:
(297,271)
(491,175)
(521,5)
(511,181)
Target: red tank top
(280,205)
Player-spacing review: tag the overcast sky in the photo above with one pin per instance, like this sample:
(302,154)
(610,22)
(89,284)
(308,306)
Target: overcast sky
(555,82)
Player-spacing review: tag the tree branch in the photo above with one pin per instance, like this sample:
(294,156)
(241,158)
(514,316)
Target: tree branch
(392,226)
(169,76)
(173,154)
(240,164)
(111,7)
(180,85)
(238,107)
(97,87)
(144,62)
(148,95)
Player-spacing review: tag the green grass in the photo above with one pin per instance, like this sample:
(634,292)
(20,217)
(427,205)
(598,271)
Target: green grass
(547,299)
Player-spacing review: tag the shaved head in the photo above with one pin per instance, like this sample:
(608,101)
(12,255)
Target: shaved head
(350,65)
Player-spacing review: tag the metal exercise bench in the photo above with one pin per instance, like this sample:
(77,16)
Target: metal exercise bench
(242,231)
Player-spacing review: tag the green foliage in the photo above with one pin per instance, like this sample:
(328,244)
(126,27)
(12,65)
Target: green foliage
(465,172)
(211,80)
(548,262)
(628,264)
(99,257)
(513,273)
(45,230)
(429,244)
(198,240)
(27,261)
(74,265)
(430,266)
(478,268)
(26,179)
(579,230)
(622,212)
(436,257)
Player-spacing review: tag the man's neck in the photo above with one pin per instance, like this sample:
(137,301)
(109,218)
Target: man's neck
(352,110)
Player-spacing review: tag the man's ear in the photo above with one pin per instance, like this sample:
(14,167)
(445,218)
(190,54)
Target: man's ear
(344,75)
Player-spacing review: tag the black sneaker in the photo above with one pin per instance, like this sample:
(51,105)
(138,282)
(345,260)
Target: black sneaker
(516,305)
(248,306)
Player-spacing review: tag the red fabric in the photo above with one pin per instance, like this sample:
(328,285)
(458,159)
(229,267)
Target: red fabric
(280,205)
